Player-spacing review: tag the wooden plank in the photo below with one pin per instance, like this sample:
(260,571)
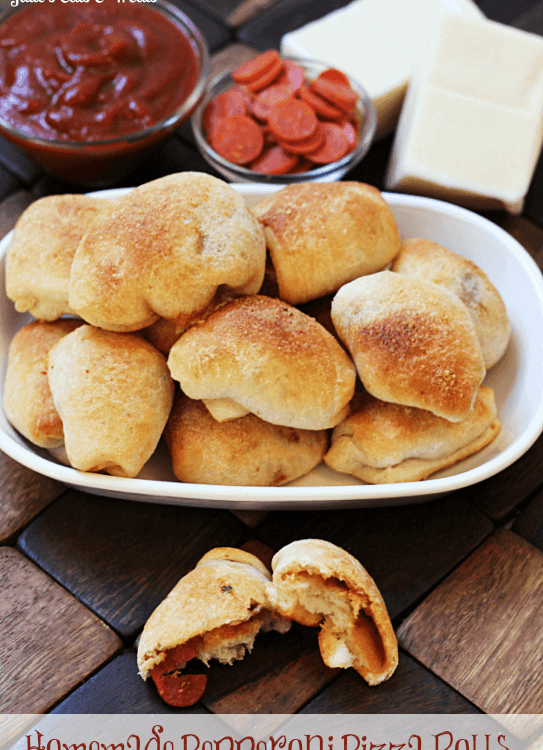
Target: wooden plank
(412,689)
(23,494)
(480,630)
(49,642)
(529,522)
(120,557)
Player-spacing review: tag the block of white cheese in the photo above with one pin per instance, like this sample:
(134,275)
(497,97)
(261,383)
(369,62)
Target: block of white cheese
(379,43)
(471,126)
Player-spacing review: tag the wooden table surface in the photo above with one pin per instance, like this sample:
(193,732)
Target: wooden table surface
(462,576)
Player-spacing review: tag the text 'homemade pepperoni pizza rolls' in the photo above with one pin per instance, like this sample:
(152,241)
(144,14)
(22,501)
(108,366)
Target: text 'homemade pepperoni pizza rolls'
(163,250)
(269,358)
(322,235)
(382,442)
(413,342)
(28,403)
(245,451)
(114,394)
(317,583)
(39,258)
(420,257)
(214,612)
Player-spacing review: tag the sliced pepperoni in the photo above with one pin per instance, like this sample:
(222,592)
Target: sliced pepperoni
(274,160)
(350,131)
(237,138)
(253,69)
(304,165)
(265,100)
(293,75)
(307,145)
(335,145)
(292,120)
(337,94)
(231,102)
(320,105)
(176,658)
(181,690)
(267,78)
(335,75)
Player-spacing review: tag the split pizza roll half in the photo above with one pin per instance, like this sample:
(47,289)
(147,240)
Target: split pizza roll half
(380,442)
(163,250)
(39,258)
(246,451)
(214,612)
(420,257)
(413,342)
(114,394)
(268,358)
(28,403)
(317,583)
(322,235)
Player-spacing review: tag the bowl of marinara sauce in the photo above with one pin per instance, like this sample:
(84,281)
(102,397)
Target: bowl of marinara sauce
(89,91)
(278,120)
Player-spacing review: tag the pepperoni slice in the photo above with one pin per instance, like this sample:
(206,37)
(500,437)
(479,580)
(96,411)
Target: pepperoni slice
(335,75)
(335,145)
(336,93)
(293,75)
(175,659)
(265,100)
(267,78)
(181,690)
(231,102)
(292,120)
(350,131)
(304,165)
(237,138)
(320,105)
(307,145)
(274,160)
(253,69)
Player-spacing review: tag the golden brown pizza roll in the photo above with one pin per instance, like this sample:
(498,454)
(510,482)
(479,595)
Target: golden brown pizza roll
(413,342)
(40,255)
(318,583)
(244,451)
(114,394)
(269,358)
(322,235)
(420,257)
(382,442)
(214,612)
(28,403)
(163,250)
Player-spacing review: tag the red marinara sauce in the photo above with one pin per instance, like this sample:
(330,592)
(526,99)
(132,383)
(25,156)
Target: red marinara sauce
(92,72)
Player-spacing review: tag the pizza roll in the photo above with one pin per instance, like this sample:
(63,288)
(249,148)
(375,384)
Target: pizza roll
(114,394)
(322,235)
(163,250)
(244,451)
(382,442)
(214,612)
(420,257)
(28,403)
(317,583)
(413,342)
(269,358)
(39,257)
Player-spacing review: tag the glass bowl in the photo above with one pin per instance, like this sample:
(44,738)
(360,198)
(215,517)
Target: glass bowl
(99,163)
(366,115)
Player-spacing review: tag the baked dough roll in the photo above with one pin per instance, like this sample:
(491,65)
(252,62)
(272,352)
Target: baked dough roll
(114,394)
(163,250)
(420,257)
(322,235)
(413,342)
(214,612)
(269,358)
(317,583)
(245,451)
(40,255)
(382,442)
(28,403)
